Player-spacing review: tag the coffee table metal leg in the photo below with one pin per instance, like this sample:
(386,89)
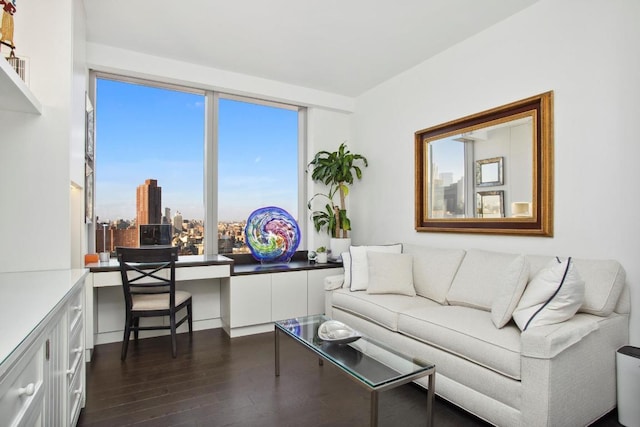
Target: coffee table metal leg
(430,393)
(374,408)
(277,350)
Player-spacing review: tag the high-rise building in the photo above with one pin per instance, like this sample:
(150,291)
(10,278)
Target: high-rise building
(177,223)
(166,218)
(148,203)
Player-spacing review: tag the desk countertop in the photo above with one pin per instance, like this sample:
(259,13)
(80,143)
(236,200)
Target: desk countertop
(238,267)
(183,261)
(27,299)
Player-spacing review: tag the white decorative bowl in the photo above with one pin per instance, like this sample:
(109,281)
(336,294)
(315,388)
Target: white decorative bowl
(337,332)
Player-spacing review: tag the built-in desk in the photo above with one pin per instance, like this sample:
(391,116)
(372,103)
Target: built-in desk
(198,274)
(234,292)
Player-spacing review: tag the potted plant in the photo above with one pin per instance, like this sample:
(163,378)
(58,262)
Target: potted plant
(321,255)
(338,170)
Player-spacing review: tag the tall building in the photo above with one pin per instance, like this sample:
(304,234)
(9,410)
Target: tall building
(148,202)
(177,223)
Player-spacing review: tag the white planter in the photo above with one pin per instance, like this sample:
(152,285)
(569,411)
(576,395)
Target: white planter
(338,246)
(321,257)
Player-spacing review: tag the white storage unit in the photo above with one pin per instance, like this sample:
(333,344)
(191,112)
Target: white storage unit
(250,303)
(42,372)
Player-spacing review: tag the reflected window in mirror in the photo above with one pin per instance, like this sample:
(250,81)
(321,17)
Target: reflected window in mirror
(490,172)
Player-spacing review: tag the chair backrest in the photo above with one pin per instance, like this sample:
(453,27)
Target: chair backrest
(143,271)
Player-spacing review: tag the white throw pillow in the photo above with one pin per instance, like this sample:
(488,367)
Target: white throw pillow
(359,279)
(554,295)
(390,273)
(512,283)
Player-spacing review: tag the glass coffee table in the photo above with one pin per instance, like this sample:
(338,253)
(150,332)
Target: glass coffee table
(366,361)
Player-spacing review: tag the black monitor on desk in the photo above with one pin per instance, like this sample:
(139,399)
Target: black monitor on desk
(155,234)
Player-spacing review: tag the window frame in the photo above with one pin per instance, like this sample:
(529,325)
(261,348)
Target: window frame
(210,151)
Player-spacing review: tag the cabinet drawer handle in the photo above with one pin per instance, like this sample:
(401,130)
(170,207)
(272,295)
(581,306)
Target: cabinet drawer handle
(28,390)
(76,362)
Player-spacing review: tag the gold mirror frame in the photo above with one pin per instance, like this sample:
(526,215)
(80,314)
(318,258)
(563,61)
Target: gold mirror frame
(540,220)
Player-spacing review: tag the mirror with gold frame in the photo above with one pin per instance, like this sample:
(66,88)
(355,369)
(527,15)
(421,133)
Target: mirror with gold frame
(466,166)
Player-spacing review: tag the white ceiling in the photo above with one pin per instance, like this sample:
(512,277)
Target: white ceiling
(339,46)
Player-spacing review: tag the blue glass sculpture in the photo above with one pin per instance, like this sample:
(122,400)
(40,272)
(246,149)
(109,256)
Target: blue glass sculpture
(272,234)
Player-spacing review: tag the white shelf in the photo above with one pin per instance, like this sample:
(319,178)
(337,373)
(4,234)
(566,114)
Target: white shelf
(14,93)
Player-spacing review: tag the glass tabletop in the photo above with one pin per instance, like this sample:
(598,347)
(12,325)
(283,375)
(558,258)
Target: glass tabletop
(370,361)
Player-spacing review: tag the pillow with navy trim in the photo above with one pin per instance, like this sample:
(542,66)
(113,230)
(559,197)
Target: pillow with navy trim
(554,295)
(359,280)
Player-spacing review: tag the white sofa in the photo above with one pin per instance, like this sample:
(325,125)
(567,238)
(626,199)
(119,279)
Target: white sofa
(561,374)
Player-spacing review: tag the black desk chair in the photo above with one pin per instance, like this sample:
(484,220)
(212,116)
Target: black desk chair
(148,294)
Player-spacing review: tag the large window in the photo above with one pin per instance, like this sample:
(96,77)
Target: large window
(153,185)
(257,165)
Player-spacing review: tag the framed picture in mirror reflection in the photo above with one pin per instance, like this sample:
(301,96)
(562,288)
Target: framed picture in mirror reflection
(489,172)
(490,204)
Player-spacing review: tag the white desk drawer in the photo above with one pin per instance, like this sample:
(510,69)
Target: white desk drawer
(76,350)
(75,397)
(22,391)
(76,309)
(106,278)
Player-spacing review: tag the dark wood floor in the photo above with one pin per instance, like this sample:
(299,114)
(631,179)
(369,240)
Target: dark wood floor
(216,381)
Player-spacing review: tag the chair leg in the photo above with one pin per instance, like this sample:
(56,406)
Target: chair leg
(190,318)
(136,325)
(127,334)
(174,345)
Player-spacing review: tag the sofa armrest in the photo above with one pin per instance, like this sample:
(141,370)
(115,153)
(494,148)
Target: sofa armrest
(332,283)
(547,341)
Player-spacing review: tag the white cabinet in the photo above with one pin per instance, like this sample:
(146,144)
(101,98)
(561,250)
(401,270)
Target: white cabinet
(250,303)
(43,379)
(288,295)
(22,390)
(249,300)
(315,289)
(75,357)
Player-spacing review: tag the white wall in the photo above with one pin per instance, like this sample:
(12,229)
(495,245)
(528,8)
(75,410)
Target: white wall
(587,53)
(34,150)
(327,130)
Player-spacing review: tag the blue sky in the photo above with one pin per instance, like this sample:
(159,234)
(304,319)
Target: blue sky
(151,133)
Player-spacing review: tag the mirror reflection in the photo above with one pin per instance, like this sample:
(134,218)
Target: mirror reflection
(490,172)
(497,157)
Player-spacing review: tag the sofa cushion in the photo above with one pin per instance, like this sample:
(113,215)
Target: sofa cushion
(604,281)
(466,332)
(359,268)
(512,284)
(390,274)
(433,270)
(380,309)
(477,281)
(554,295)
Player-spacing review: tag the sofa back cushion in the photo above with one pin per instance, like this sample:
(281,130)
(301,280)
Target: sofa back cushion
(478,279)
(433,270)
(604,281)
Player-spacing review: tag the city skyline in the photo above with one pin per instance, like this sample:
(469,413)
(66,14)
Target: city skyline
(145,132)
